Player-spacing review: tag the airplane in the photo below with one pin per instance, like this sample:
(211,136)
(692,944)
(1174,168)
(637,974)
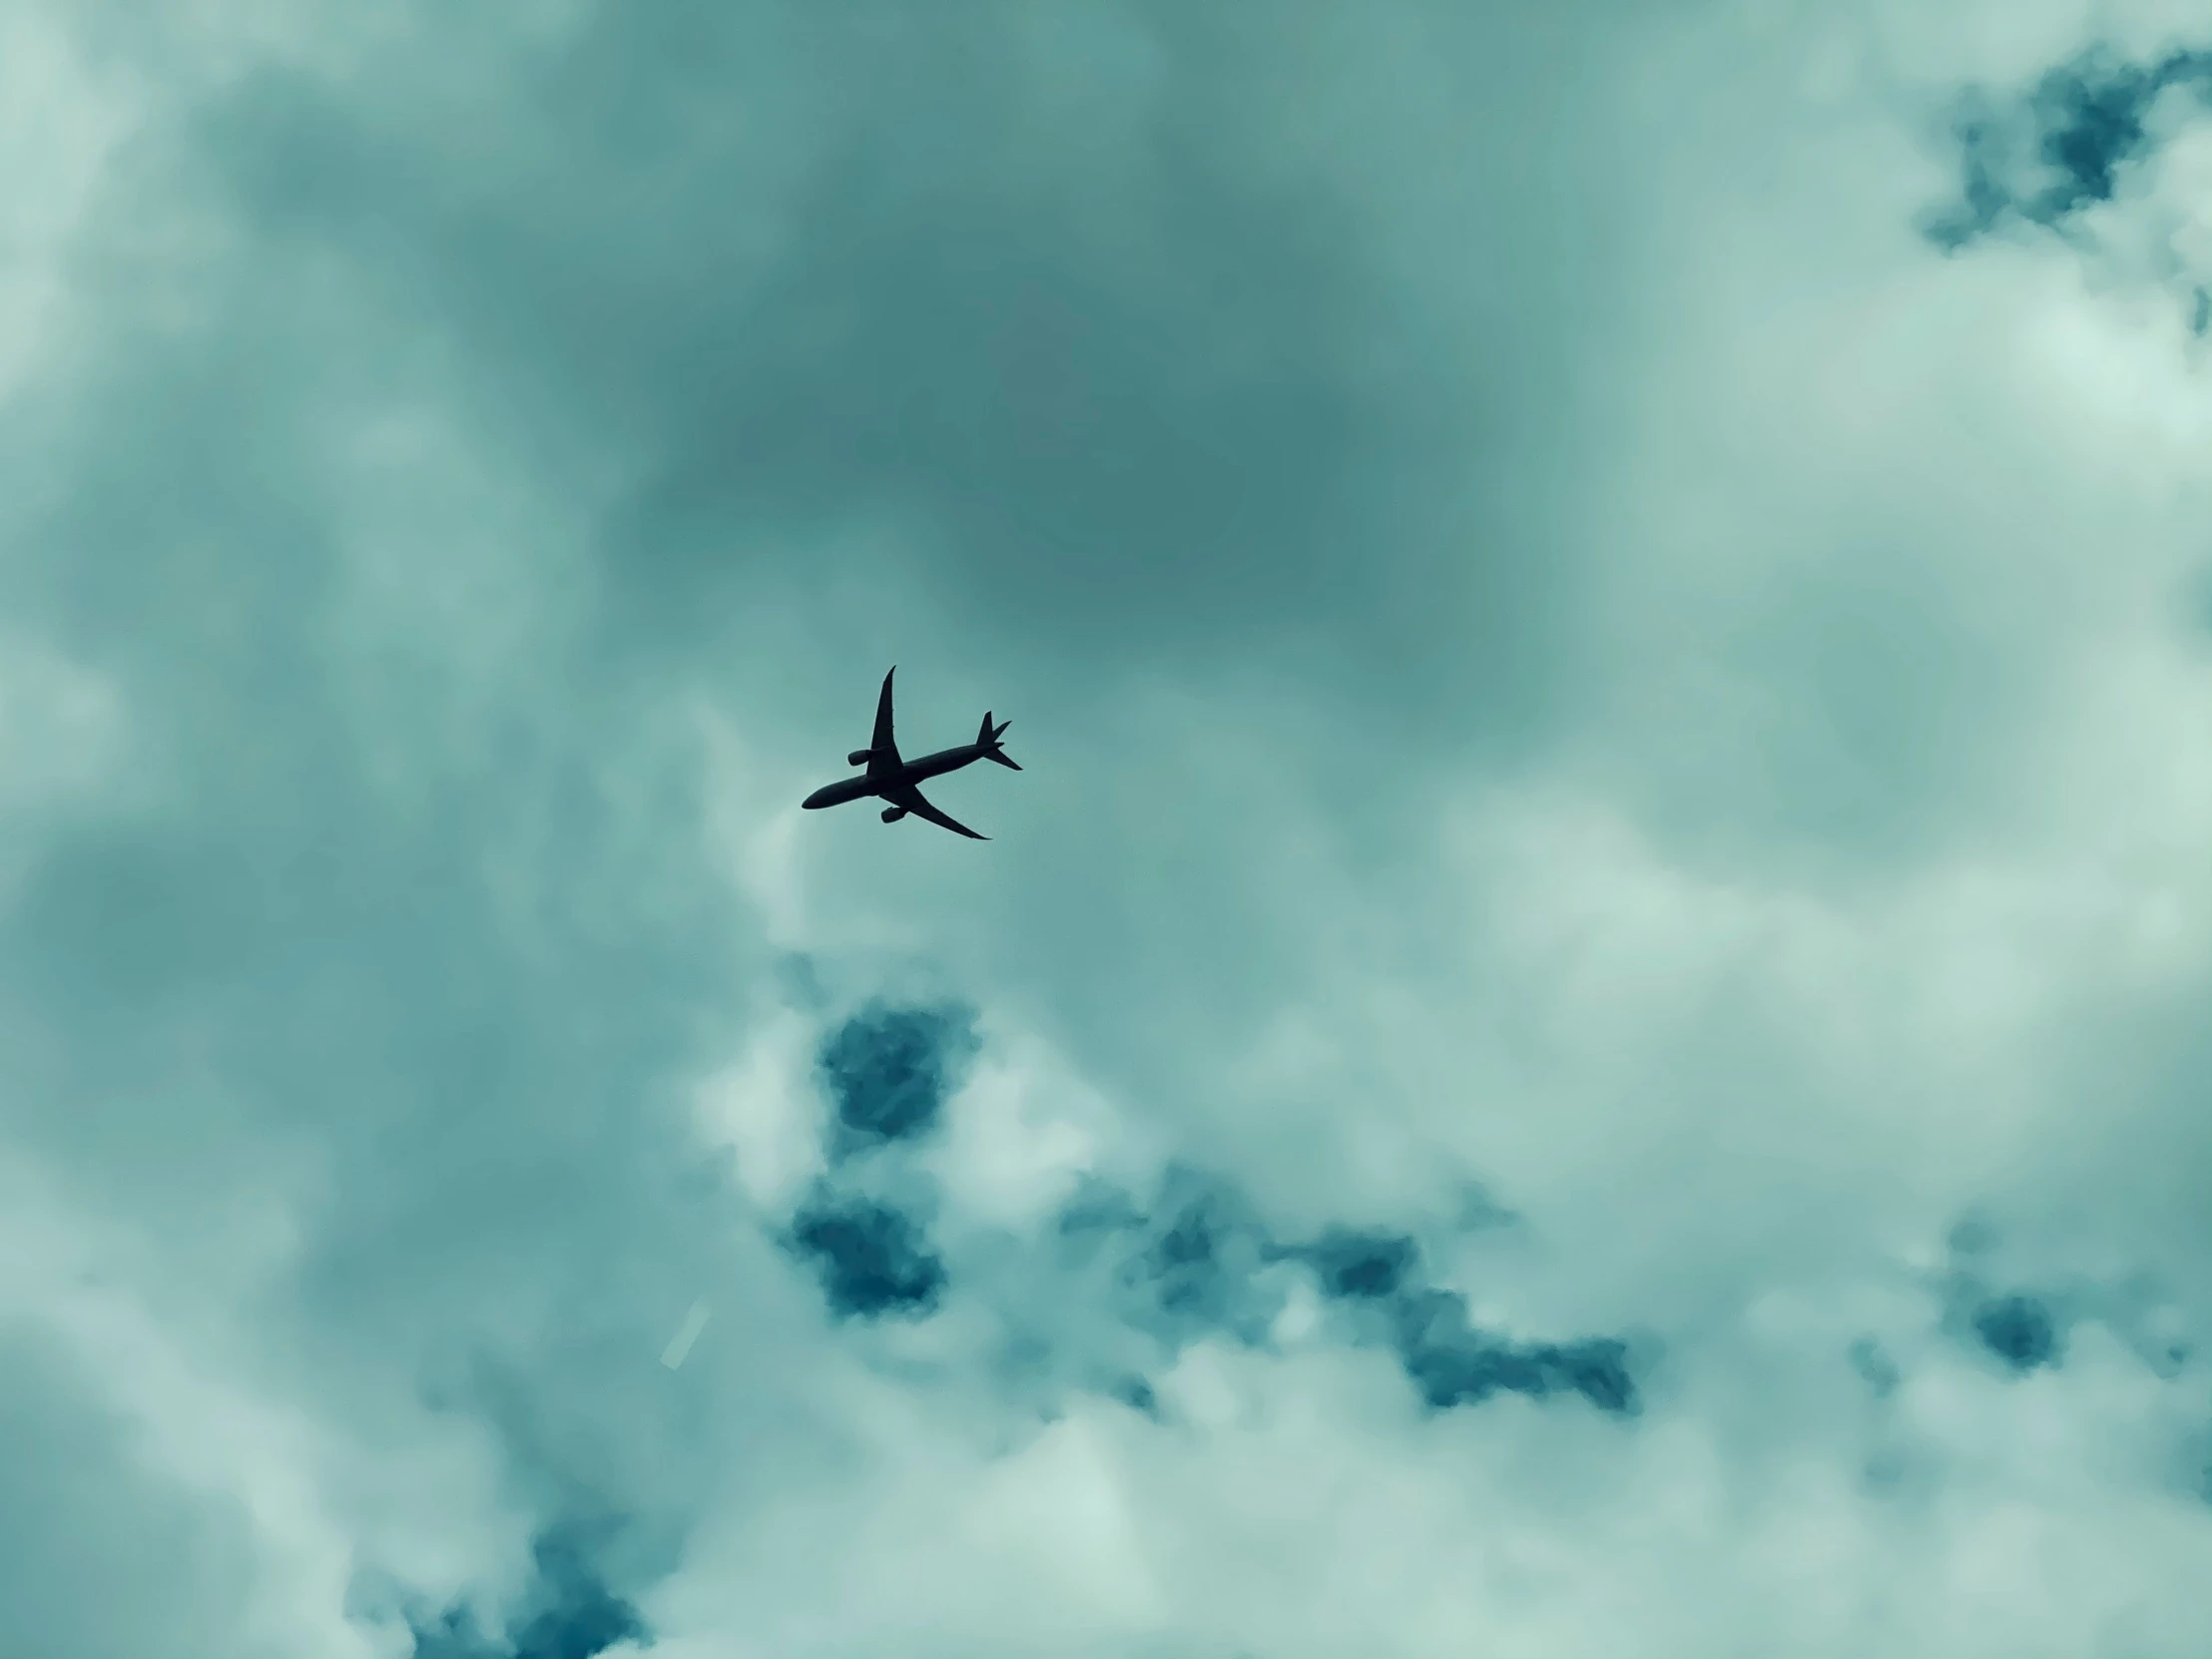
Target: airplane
(897,780)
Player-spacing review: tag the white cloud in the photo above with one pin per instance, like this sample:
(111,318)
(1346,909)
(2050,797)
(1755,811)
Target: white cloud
(1019,1133)
(766,1109)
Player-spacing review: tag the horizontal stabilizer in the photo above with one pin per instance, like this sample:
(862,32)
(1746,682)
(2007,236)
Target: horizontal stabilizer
(986,739)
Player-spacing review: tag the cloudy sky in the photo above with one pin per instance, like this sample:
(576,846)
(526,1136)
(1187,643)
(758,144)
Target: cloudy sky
(1583,1036)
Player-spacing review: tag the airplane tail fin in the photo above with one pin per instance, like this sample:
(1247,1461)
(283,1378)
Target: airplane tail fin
(987,740)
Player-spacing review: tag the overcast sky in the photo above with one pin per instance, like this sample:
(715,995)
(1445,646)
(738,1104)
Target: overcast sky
(1584,1034)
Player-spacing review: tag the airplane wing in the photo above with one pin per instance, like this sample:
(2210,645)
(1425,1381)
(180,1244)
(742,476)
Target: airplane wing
(910,798)
(884,746)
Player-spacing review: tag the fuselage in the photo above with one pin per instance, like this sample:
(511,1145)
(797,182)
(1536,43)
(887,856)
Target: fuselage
(909,772)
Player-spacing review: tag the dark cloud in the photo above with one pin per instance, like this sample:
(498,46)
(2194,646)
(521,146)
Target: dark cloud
(1195,1261)
(1202,1249)
(1362,1265)
(1449,1361)
(1452,1364)
(2024,1330)
(1137,1393)
(579,1615)
(2019,1329)
(568,1613)
(2018,1301)
(2060,147)
(873,1260)
(1197,1252)
(888,1070)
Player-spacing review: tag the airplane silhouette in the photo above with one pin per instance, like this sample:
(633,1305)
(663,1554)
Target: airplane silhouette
(897,780)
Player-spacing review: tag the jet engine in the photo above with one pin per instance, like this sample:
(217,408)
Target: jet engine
(858,758)
(892,814)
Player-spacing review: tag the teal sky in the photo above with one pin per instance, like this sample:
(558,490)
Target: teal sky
(1583,1033)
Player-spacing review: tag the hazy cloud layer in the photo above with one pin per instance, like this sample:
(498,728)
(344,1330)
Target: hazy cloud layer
(1584,1033)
